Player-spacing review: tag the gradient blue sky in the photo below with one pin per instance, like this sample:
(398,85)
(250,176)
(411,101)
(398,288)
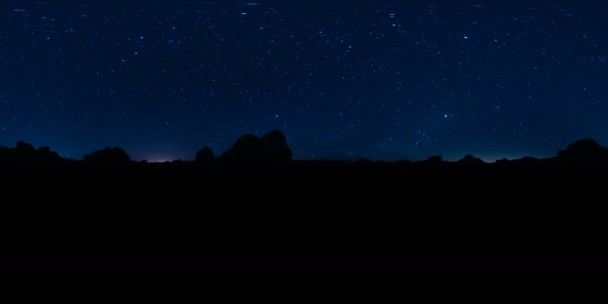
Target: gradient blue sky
(383,80)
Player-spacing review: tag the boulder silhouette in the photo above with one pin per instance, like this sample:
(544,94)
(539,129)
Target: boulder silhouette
(115,154)
(204,154)
(584,150)
(270,147)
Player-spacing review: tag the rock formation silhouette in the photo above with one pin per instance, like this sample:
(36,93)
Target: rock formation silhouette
(270,147)
(469,159)
(114,155)
(204,154)
(25,152)
(584,150)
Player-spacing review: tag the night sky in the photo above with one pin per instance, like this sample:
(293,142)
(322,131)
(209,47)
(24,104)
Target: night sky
(382,80)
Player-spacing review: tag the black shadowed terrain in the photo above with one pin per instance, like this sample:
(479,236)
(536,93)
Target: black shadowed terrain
(253,207)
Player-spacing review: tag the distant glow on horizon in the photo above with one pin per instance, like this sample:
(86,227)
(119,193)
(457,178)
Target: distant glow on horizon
(158,159)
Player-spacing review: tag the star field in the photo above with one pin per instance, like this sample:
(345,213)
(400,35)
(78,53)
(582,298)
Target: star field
(382,80)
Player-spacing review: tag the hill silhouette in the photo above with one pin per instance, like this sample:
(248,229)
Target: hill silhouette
(272,147)
(114,155)
(255,207)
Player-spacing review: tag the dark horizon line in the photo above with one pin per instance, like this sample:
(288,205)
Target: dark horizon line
(582,149)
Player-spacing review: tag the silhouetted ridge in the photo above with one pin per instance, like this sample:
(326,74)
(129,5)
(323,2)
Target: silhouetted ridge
(270,147)
(273,147)
(584,150)
(114,155)
(469,159)
(26,152)
(435,160)
(526,160)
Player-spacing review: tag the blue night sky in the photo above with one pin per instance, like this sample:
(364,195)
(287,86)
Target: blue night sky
(382,80)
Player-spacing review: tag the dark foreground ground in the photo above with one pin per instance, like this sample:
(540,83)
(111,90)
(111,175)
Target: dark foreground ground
(303,216)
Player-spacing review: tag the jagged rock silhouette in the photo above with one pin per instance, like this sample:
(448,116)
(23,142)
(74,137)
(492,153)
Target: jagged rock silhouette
(270,147)
(115,155)
(27,152)
(584,150)
(273,147)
